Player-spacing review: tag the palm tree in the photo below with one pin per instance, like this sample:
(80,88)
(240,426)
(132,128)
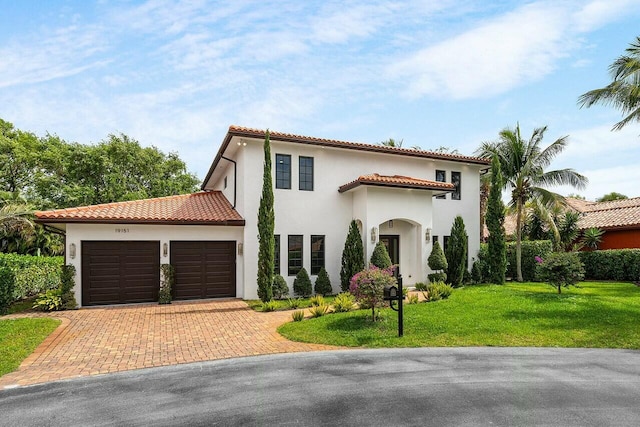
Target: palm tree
(392,143)
(623,93)
(15,225)
(523,164)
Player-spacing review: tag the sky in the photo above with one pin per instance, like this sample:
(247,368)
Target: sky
(432,73)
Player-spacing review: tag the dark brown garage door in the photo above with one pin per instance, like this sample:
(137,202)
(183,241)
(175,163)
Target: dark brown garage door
(120,272)
(204,269)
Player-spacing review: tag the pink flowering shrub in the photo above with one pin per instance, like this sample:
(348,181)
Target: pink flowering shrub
(368,285)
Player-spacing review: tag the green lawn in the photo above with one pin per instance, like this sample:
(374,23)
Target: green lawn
(18,339)
(529,314)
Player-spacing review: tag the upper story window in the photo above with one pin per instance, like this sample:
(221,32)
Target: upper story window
(441,176)
(283,171)
(306,173)
(434,239)
(317,254)
(456,178)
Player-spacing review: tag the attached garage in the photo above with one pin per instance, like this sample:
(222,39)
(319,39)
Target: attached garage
(204,269)
(119,272)
(118,248)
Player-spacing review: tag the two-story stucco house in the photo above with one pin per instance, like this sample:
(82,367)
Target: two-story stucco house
(404,197)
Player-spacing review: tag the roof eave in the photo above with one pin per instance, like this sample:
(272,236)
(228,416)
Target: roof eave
(355,184)
(230,222)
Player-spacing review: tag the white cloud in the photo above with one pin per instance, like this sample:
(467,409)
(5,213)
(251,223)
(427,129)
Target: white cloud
(598,13)
(497,55)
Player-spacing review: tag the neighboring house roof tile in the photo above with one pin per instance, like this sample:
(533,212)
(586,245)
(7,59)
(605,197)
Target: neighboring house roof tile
(240,131)
(614,214)
(398,181)
(207,207)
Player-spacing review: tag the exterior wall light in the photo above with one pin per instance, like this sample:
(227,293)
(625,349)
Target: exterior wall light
(240,248)
(374,234)
(72,250)
(165,249)
(427,235)
(390,223)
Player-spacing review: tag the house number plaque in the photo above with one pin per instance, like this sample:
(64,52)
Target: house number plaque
(122,230)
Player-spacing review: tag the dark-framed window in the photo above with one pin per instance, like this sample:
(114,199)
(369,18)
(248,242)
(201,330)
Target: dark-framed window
(276,258)
(441,176)
(283,171)
(295,254)
(456,180)
(305,173)
(434,239)
(445,243)
(317,254)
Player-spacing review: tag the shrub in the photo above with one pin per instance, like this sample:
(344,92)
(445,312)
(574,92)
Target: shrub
(33,274)
(380,257)
(67,273)
(323,283)
(437,291)
(476,273)
(293,303)
(302,283)
(166,283)
(51,300)
(457,253)
(343,302)
(316,300)
(561,269)
(368,287)
(319,310)
(352,256)
(437,262)
(7,283)
(530,249)
(269,306)
(612,264)
(413,299)
(420,286)
(280,288)
(298,315)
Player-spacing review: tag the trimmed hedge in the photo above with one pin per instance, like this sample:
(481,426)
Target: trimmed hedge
(530,249)
(33,274)
(612,264)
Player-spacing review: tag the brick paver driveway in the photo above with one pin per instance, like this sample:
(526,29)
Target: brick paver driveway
(102,340)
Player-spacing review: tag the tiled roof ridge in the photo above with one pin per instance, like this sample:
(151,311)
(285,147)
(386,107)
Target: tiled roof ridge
(614,204)
(338,143)
(128,202)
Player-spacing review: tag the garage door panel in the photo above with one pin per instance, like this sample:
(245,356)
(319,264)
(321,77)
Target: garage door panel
(204,269)
(120,272)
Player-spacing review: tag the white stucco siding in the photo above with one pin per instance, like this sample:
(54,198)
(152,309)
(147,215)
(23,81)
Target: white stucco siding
(76,233)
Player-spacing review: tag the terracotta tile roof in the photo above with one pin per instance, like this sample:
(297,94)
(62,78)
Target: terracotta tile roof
(207,207)
(240,131)
(615,214)
(396,181)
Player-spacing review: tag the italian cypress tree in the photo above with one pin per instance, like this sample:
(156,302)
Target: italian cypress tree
(266,224)
(380,256)
(352,256)
(496,246)
(456,253)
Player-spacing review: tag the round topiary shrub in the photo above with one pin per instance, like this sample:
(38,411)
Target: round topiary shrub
(380,257)
(437,262)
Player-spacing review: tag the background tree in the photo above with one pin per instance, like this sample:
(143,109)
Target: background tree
(456,253)
(523,164)
(437,262)
(380,256)
(623,93)
(568,230)
(266,224)
(496,246)
(611,197)
(352,256)
(392,143)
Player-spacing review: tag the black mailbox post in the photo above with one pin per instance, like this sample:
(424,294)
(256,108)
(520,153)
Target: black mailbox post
(394,293)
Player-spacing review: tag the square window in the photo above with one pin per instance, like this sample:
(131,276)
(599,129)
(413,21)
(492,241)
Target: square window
(317,254)
(305,173)
(295,254)
(283,171)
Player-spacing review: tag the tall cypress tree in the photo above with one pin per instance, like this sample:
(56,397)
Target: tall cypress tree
(457,253)
(266,224)
(352,256)
(496,247)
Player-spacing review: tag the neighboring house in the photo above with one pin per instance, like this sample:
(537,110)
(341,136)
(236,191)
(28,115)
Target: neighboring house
(404,197)
(619,219)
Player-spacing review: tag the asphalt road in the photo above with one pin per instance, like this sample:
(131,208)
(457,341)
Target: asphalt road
(426,387)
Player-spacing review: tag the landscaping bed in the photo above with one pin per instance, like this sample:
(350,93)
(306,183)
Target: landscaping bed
(595,314)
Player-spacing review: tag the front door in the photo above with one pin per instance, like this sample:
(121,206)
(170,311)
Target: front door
(392,242)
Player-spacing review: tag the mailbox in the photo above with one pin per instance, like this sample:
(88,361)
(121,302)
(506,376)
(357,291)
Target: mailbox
(391,293)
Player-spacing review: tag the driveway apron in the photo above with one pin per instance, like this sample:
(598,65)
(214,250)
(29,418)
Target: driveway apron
(96,341)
